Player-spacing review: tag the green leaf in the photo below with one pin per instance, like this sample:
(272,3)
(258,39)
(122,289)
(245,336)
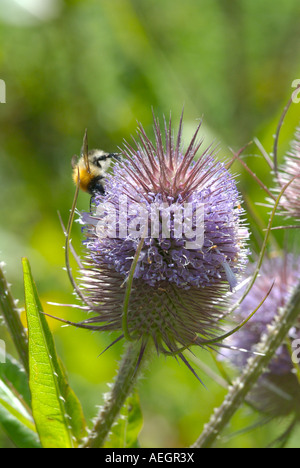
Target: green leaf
(14,375)
(16,421)
(126,430)
(56,410)
(11,316)
(73,407)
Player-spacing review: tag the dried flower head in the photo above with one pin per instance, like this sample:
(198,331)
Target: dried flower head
(194,250)
(290,201)
(278,390)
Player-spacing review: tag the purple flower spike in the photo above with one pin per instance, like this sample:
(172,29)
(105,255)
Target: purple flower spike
(194,241)
(277,391)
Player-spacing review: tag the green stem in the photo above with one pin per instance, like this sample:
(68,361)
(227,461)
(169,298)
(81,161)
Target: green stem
(277,332)
(129,285)
(12,318)
(121,389)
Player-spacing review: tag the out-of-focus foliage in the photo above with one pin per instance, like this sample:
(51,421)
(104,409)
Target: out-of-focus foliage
(103,64)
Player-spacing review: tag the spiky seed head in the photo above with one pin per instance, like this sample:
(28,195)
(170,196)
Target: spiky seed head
(180,290)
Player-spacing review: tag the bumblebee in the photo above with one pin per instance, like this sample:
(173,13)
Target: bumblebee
(91,168)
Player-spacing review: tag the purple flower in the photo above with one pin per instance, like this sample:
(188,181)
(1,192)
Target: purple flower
(278,390)
(194,247)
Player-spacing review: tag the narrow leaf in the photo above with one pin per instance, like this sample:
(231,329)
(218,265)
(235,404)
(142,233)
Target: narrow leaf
(15,377)
(56,410)
(16,421)
(11,315)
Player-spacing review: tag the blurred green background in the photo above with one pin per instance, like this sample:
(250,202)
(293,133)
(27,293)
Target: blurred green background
(103,65)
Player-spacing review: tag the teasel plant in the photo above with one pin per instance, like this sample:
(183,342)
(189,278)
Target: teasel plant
(289,206)
(274,337)
(153,290)
(157,294)
(276,394)
(290,203)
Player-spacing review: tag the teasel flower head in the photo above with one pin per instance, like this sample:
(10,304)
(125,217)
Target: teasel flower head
(290,201)
(277,392)
(182,279)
